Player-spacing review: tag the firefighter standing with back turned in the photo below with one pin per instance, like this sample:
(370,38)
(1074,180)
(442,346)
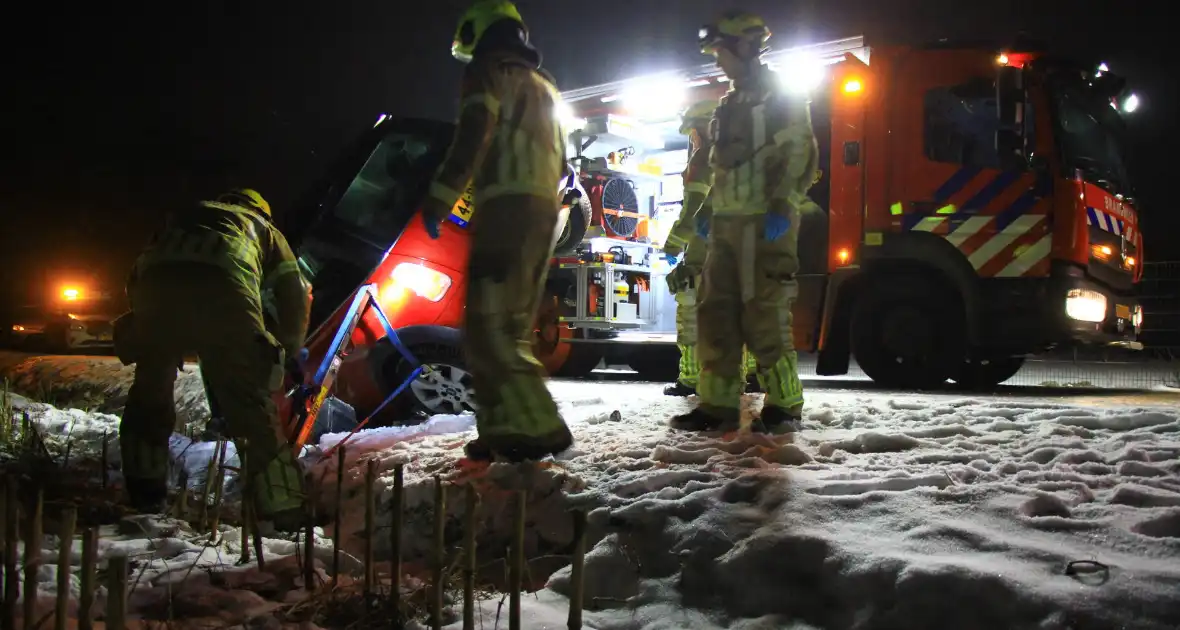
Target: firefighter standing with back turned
(509,144)
(197,289)
(684,279)
(763,160)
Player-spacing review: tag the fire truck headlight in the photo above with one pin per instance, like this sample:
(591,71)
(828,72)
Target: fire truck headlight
(1137,318)
(422,281)
(1085,305)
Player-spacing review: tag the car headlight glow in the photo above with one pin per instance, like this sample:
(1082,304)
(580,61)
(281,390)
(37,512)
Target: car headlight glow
(1137,318)
(1085,305)
(421,281)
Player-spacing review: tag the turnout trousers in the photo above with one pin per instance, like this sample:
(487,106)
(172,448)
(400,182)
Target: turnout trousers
(512,242)
(748,288)
(186,308)
(686,320)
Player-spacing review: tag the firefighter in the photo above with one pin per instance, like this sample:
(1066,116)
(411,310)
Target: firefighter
(684,279)
(763,160)
(510,146)
(197,288)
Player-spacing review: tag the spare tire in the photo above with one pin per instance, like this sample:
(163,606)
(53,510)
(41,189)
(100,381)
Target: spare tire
(576,224)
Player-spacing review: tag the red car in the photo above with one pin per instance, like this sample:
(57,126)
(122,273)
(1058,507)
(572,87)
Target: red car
(361,226)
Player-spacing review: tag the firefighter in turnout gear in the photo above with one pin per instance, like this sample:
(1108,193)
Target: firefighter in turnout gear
(510,146)
(763,160)
(197,288)
(684,279)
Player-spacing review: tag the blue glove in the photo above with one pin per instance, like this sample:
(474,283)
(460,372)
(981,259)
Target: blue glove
(304,353)
(431,222)
(670,259)
(776,226)
(703,227)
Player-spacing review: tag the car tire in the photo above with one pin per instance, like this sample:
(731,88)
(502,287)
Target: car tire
(908,333)
(447,388)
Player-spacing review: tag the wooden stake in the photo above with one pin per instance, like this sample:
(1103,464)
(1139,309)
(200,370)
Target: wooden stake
(116,617)
(577,570)
(215,523)
(395,538)
(336,516)
(469,529)
(106,458)
(247,503)
(182,498)
(440,553)
(516,563)
(309,552)
(33,557)
(370,520)
(86,590)
(11,577)
(69,517)
(203,513)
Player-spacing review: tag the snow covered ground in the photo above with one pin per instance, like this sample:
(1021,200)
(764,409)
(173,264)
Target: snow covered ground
(888,511)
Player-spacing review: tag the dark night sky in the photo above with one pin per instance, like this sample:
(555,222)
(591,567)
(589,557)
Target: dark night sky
(124,110)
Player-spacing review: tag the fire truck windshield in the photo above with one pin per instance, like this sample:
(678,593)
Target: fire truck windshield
(1090,134)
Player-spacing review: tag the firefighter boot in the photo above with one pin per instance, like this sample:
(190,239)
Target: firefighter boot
(700,420)
(520,448)
(778,420)
(279,496)
(680,389)
(146,496)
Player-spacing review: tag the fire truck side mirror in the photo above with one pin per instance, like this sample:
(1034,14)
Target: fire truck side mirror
(1009,112)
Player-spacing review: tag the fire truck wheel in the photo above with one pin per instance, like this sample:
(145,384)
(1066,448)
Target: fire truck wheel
(907,333)
(581,360)
(987,373)
(656,362)
(445,388)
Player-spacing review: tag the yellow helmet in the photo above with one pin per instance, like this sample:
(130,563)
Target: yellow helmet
(734,27)
(246,197)
(697,114)
(475,22)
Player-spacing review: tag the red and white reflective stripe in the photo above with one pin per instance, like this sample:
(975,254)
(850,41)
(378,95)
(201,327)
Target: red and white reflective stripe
(1022,248)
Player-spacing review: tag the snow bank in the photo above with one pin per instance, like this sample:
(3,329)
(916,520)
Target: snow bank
(898,510)
(96,383)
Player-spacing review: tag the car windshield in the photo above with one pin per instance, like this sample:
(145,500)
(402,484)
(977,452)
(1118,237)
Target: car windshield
(1090,134)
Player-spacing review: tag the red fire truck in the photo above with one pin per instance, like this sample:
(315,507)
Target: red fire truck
(976,204)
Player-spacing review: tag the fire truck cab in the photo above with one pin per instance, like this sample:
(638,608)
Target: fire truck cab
(976,210)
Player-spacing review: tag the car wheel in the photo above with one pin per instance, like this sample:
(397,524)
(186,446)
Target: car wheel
(444,387)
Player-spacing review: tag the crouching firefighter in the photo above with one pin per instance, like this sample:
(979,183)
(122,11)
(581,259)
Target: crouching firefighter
(685,278)
(763,160)
(510,146)
(197,289)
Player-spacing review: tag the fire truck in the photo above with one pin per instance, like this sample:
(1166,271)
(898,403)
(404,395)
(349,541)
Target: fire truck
(976,210)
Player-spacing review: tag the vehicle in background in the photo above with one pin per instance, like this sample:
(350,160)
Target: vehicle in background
(976,210)
(76,319)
